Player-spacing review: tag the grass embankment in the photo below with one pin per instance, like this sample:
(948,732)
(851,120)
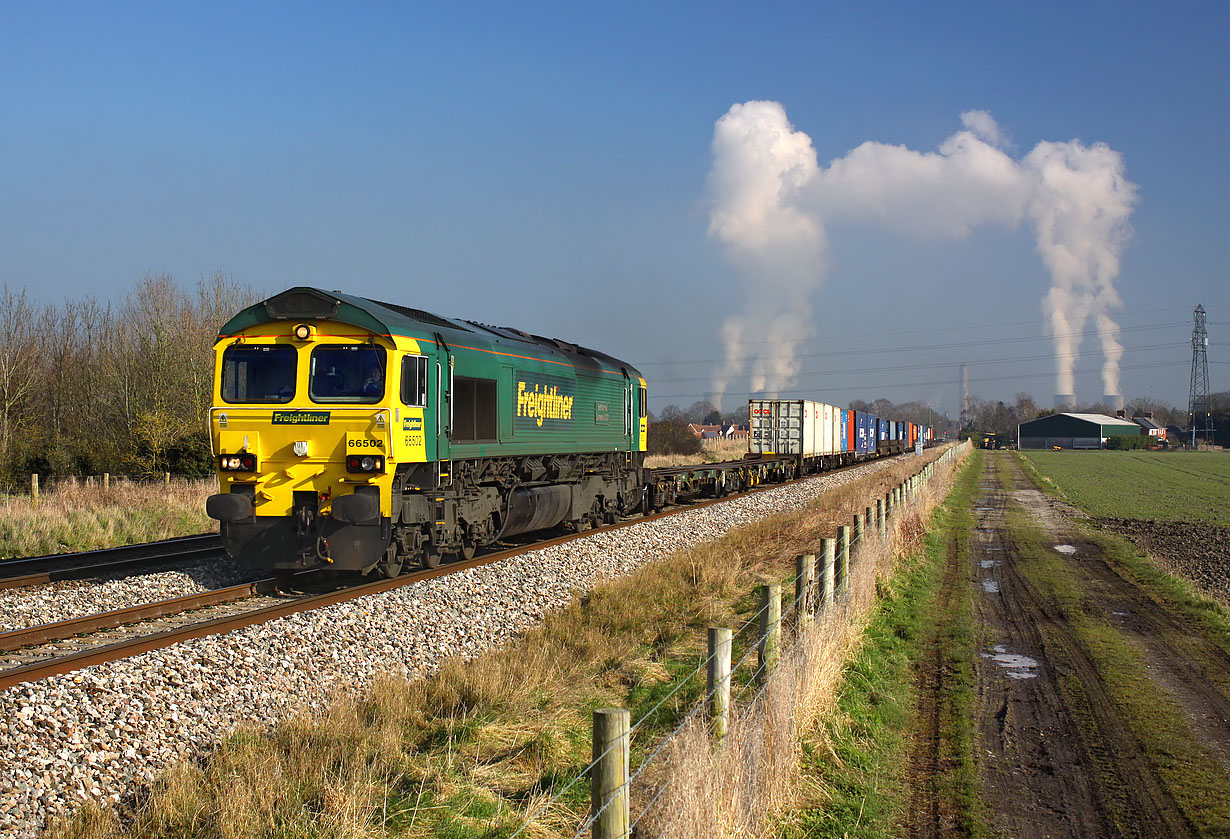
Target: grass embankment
(82,518)
(858,766)
(1193,775)
(468,752)
(1161,486)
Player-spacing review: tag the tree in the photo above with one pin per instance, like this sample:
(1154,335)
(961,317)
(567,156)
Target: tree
(19,366)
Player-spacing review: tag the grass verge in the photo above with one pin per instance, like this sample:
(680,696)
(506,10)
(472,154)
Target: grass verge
(468,752)
(82,518)
(857,766)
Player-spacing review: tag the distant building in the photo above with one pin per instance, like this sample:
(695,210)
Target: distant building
(705,432)
(1150,426)
(735,432)
(1074,431)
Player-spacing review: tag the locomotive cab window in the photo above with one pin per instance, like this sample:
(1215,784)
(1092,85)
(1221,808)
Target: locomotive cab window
(474,414)
(414,381)
(642,398)
(258,373)
(347,373)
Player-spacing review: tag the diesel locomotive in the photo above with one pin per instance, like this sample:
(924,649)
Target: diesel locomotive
(365,436)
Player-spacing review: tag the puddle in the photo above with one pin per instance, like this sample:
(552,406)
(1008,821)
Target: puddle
(1015,666)
(992,548)
(990,563)
(1065,549)
(1122,614)
(990,585)
(982,509)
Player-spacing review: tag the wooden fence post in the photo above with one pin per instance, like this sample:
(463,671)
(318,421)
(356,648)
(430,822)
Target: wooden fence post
(166,478)
(106,481)
(609,777)
(843,559)
(804,579)
(827,570)
(34,488)
(718,672)
(880,516)
(770,626)
(856,541)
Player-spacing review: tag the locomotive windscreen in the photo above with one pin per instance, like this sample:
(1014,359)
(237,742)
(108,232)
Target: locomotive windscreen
(258,374)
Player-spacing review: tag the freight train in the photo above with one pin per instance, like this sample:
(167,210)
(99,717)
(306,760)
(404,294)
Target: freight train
(366,437)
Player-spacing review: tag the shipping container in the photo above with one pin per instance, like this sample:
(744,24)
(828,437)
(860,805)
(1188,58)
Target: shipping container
(845,429)
(793,427)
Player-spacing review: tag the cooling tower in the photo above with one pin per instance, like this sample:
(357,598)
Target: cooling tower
(1065,400)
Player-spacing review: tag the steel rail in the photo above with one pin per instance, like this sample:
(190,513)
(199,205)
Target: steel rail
(32,571)
(17,639)
(216,626)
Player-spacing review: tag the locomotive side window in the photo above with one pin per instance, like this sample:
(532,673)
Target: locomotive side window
(414,381)
(258,374)
(474,417)
(642,397)
(347,373)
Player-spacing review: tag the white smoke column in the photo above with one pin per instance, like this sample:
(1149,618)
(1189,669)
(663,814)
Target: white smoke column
(1080,212)
(771,201)
(761,167)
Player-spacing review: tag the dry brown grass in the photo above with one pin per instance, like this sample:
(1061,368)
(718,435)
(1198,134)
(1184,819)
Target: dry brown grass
(711,451)
(474,749)
(743,787)
(80,517)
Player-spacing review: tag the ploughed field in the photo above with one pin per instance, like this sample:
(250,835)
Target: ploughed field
(1175,506)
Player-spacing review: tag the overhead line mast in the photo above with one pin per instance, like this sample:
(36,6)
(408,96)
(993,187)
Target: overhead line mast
(1198,395)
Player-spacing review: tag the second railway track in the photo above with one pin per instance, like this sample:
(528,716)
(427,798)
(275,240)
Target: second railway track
(39,570)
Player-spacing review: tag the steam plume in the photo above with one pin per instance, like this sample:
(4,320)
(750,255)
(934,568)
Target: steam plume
(771,202)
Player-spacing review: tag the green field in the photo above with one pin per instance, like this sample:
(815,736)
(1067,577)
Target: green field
(1162,486)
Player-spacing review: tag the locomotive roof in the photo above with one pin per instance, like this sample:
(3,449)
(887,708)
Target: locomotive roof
(303,303)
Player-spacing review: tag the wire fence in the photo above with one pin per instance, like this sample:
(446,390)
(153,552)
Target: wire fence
(28,485)
(874,528)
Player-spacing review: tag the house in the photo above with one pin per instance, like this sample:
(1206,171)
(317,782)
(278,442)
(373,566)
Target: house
(735,432)
(705,432)
(1150,426)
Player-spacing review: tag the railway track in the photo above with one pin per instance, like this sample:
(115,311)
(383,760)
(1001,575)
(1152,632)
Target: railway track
(52,649)
(39,570)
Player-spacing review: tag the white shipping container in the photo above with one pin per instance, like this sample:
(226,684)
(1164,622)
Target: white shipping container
(792,426)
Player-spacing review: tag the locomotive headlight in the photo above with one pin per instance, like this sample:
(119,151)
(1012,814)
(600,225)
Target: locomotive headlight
(365,463)
(303,332)
(301,448)
(237,462)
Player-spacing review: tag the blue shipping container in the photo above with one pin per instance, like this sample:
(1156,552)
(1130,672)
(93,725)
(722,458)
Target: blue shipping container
(862,438)
(883,429)
(845,430)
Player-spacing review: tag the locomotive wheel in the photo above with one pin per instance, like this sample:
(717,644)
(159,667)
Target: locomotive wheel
(431,557)
(468,548)
(391,565)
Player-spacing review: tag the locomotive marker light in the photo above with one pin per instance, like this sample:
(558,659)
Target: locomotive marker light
(301,448)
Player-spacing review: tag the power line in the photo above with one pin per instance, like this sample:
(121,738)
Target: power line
(1013,360)
(802,393)
(921,347)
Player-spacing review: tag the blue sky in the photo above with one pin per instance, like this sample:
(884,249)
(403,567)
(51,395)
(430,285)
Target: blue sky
(544,166)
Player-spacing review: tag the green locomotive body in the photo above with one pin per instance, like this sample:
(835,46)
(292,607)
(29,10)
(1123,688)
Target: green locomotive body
(366,436)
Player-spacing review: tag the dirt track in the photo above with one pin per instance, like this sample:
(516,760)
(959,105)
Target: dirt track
(1059,752)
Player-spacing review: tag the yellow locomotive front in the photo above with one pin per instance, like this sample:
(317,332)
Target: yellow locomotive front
(301,430)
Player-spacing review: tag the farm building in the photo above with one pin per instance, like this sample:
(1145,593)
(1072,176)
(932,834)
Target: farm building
(1073,431)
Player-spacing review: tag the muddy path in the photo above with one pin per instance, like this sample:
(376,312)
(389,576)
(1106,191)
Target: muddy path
(1059,751)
